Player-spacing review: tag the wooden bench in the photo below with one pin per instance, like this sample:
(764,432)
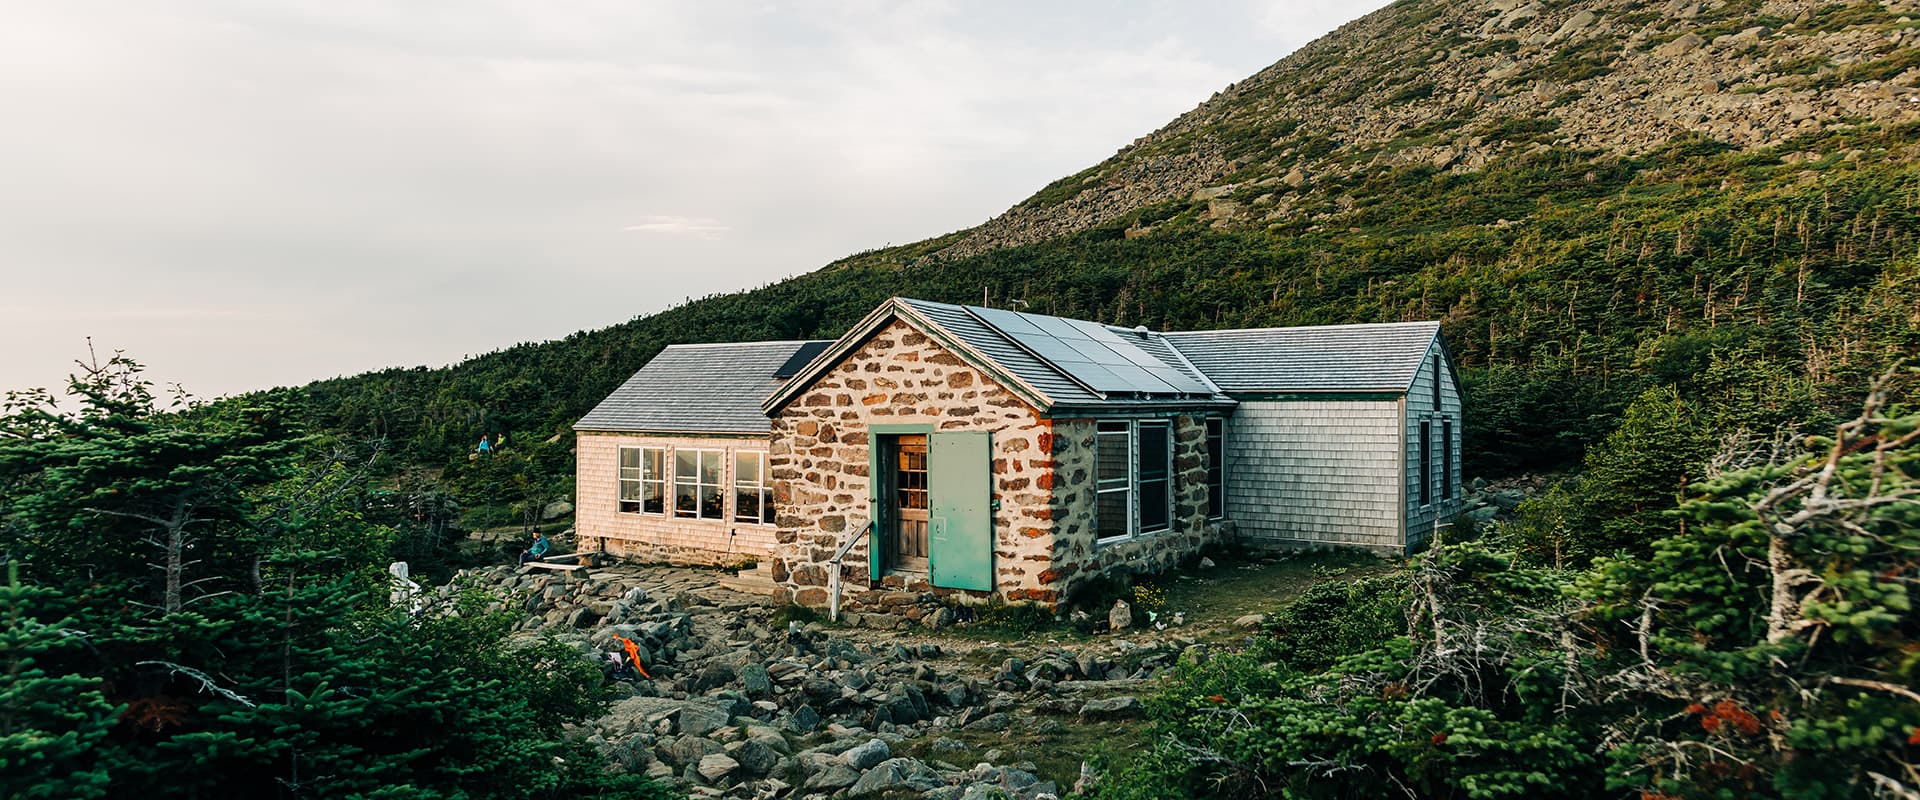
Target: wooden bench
(553,566)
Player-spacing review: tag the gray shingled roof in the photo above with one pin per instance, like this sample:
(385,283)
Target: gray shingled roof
(1329,358)
(696,388)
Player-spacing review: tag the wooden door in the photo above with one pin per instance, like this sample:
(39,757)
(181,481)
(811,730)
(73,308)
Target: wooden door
(909,503)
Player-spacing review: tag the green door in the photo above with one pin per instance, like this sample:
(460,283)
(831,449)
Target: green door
(960,513)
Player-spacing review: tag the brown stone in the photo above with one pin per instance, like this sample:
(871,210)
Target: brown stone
(1013,484)
(806,427)
(809,575)
(960,380)
(873,399)
(909,357)
(816,400)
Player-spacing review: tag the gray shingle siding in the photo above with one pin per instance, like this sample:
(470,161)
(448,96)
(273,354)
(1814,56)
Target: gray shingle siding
(696,388)
(1420,518)
(1315,472)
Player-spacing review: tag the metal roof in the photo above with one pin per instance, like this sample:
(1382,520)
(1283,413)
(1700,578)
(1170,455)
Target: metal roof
(697,388)
(1328,358)
(1074,363)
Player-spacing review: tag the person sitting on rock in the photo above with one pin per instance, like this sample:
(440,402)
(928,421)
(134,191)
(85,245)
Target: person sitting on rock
(633,664)
(534,551)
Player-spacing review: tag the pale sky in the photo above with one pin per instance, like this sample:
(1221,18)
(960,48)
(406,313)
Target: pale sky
(250,193)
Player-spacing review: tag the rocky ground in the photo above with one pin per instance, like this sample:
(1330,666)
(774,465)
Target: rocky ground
(752,700)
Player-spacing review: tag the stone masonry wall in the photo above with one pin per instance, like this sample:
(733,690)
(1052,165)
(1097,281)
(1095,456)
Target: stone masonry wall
(1077,556)
(819,461)
(600,525)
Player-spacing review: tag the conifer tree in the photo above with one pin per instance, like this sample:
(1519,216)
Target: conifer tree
(51,721)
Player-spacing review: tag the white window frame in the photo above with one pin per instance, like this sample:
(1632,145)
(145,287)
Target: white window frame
(719,485)
(1125,487)
(638,478)
(756,483)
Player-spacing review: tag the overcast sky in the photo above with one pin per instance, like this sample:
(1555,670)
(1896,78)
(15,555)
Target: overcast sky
(245,193)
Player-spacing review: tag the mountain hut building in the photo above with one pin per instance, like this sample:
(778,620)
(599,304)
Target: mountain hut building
(972,452)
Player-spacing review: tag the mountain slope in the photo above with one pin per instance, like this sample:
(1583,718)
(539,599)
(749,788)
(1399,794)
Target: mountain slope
(1456,85)
(1585,213)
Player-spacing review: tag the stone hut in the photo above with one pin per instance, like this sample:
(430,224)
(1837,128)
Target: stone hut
(971,453)
(673,465)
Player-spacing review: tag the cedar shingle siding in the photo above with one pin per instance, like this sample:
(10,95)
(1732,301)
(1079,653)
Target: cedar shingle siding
(1315,472)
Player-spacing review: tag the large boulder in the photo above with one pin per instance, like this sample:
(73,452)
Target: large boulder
(1111,708)
(715,768)
(894,775)
(753,756)
(866,755)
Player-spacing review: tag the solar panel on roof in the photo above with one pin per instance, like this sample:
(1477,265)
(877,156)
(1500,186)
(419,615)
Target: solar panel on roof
(800,359)
(1091,353)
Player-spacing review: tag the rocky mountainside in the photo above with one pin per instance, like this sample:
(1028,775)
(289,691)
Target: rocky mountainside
(1457,84)
(1593,198)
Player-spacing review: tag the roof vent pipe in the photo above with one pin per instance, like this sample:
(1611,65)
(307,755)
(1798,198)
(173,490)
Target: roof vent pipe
(1141,330)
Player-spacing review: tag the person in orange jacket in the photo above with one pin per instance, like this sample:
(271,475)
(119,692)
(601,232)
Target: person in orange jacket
(633,655)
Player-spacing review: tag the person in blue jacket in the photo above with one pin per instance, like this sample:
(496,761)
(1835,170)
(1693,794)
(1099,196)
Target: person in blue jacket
(536,550)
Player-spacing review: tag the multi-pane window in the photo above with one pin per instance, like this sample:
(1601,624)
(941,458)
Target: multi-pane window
(752,498)
(1113,480)
(910,502)
(696,484)
(642,480)
(1424,472)
(1446,459)
(1216,467)
(1155,471)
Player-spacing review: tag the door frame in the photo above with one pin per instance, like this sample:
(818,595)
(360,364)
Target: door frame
(880,440)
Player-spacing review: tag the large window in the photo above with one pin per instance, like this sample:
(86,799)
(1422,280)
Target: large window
(1216,467)
(752,499)
(1133,479)
(1155,472)
(1113,481)
(643,488)
(696,484)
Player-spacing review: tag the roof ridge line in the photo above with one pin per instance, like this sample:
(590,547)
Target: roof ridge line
(1408,323)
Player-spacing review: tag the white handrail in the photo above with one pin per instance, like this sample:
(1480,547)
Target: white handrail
(833,575)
